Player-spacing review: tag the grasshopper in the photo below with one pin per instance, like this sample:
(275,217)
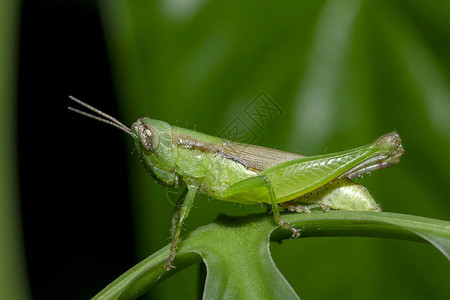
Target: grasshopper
(250,174)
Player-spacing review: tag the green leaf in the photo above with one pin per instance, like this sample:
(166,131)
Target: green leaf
(237,257)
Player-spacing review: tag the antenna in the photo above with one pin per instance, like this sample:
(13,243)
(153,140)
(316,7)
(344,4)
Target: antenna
(111,120)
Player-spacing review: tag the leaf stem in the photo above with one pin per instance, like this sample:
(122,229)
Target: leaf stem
(202,241)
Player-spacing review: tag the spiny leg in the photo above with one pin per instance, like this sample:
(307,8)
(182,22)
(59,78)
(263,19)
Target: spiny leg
(176,213)
(298,208)
(180,213)
(255,182)
(276,212)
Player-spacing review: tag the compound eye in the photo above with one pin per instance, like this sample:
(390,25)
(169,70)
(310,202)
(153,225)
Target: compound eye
(148,136)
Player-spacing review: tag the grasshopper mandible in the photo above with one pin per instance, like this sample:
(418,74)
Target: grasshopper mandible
(250,174)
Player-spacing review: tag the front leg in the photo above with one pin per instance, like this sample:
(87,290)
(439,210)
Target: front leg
(180,213)
(256,182)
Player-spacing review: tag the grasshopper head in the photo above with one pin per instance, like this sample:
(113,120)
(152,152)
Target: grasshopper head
(153,140)
(147,135)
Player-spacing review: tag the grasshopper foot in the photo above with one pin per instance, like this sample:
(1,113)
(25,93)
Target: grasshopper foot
(324,207)
(295,232)
(169,266)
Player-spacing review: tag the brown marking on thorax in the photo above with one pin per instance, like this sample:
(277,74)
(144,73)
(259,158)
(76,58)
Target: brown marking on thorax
(255,158)
(187,142)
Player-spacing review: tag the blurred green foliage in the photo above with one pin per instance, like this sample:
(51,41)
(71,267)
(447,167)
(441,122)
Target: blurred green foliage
(13,282)
(343,72)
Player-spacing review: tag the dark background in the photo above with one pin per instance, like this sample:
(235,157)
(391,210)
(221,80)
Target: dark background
(76,220)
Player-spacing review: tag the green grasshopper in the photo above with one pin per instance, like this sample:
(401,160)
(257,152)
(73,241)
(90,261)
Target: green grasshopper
(254,175)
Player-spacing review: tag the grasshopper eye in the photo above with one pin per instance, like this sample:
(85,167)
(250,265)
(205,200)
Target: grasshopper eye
(148,136)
